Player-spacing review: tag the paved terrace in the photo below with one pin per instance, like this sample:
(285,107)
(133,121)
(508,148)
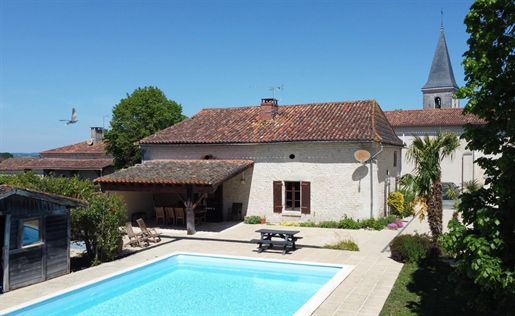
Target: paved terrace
(363,292)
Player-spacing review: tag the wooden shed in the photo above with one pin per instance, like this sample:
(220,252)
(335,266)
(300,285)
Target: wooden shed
(34,236)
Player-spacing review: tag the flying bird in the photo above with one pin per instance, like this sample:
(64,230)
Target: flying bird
(73,119)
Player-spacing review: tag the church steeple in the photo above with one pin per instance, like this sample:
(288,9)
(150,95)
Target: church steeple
(440,85)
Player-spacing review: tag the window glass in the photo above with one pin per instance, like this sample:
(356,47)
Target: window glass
(292,195)
(31,231)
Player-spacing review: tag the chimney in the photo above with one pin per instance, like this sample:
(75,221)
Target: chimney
(97,134)
(268,109)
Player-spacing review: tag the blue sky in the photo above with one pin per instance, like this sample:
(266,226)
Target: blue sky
(56,55)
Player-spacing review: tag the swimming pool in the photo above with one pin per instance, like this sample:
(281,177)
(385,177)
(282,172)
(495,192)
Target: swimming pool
(192,284)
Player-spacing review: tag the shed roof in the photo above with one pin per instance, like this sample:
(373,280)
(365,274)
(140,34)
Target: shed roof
(329,121)
(10,190)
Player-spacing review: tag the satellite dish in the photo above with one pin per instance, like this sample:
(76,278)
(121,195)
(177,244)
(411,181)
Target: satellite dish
(89,142)
(362,155)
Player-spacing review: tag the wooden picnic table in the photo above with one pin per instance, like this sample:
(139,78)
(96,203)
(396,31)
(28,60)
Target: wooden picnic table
(286,238)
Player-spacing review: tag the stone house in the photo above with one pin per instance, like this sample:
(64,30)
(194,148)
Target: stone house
(286,163)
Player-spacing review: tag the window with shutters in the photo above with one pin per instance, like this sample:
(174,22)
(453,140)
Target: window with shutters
(292,196)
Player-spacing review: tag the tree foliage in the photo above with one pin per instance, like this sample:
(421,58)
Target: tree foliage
(427,153)
(97,226)
(6,155)
(143,113)
(484,242)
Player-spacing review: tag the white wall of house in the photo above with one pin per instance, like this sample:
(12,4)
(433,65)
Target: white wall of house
(137,202)
(339,184)
(459,169)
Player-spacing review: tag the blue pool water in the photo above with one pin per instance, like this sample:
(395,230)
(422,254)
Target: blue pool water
(187,284)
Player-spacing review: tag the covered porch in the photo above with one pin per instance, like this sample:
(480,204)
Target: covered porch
(188,184)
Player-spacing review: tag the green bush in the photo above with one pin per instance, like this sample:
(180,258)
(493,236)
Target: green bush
(328,224)
(254,219)
(98,226)
(396,203)
(348,223)
(410,248)
(368,223)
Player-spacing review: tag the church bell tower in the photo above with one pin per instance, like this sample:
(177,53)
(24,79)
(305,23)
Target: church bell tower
(440,87)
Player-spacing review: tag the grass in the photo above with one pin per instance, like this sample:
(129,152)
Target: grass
(424,289)
(343,244)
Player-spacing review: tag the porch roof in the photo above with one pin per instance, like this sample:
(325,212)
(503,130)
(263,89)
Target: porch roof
(174,175)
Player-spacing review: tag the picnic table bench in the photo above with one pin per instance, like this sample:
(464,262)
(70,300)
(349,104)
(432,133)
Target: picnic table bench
(287,239)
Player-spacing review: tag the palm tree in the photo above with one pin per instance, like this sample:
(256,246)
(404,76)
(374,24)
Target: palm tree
(427,153)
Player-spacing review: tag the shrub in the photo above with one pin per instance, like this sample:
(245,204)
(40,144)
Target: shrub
(98,226)
(348,223)
(410,248)
(396,203)
(368,223)
(329,224)
(254,219)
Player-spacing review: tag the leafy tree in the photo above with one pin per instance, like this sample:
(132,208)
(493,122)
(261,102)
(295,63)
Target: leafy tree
(143,113)
(427,153)
(5,155)
(484,243)
(97,225)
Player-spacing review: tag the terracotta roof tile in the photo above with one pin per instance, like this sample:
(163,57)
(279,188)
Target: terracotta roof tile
(178,172)
(431,117)
(331,121)
(14,164)
(81,148)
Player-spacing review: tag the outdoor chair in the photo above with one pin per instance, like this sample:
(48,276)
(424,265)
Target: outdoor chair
(135,239)
(149,233)
(180,215)
(170,214)
(235,211)
(160,214)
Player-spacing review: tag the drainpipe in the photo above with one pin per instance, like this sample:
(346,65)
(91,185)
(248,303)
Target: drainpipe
(372,182)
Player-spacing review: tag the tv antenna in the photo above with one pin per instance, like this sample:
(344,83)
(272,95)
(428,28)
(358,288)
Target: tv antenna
(270,88)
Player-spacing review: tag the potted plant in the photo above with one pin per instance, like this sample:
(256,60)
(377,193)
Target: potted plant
(263,219)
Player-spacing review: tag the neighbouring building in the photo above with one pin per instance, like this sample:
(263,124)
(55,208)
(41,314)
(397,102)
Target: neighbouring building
(440,112)
(85,159)
(307,162)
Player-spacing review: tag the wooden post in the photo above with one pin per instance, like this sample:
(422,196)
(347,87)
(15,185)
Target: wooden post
(190,215)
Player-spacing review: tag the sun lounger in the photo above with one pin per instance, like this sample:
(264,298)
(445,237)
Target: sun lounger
(135,239)
(150,233)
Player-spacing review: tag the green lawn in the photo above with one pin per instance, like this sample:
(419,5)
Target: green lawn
(424,289)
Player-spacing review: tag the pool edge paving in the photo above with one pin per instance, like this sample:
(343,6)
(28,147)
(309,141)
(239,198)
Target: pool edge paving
(362,292)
